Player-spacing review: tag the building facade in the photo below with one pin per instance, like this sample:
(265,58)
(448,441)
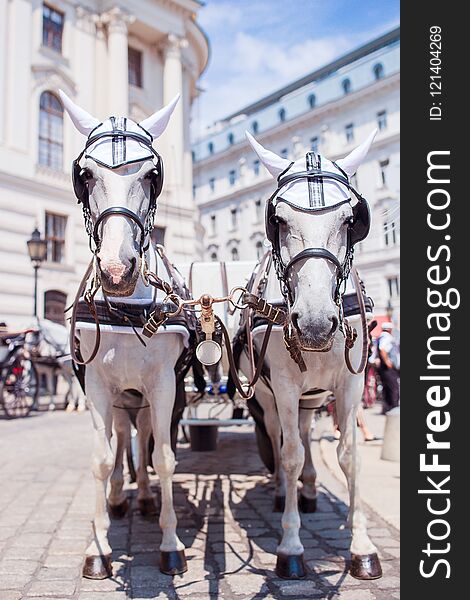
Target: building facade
(112,58)
(329,111)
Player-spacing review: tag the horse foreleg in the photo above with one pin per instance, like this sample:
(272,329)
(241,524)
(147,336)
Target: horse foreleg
(290,563)
(308,495)
(145,500)
(118,503)
(365,563)
(98,554)
(172,558)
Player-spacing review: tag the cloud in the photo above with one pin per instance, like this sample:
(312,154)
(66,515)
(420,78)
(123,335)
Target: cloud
(260,46)
(255,67)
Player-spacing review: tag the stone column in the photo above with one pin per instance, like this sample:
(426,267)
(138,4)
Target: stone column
(3,65)
(118,80)
(101,69)
(172,85)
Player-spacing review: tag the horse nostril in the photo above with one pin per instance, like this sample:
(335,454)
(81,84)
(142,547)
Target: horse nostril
(132,268)
(334,323)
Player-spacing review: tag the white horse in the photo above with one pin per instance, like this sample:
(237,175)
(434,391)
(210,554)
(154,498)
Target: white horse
(119,171)
(314,318)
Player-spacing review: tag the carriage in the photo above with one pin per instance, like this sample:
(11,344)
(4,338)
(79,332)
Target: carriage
(138,327)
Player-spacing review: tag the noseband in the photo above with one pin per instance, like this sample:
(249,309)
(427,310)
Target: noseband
(358,227)
(80,186)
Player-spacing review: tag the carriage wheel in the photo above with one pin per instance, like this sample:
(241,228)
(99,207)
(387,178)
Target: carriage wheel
(20,387)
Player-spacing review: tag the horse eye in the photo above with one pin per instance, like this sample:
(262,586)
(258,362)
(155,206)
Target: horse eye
(279,220)
(149,174)
(86,174)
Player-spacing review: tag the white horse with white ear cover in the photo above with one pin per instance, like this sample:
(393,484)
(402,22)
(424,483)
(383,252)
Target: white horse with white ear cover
(314,316)
(118,173)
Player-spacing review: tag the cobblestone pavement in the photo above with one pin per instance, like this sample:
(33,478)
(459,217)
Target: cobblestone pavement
(223,502)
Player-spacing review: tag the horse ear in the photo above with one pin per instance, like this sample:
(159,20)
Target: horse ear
(156,123)
(351,162)
(274,163)
(82,120)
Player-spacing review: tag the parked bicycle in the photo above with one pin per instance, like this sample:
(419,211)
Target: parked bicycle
(19,384)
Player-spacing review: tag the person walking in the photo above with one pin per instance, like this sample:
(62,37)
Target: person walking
(389,367)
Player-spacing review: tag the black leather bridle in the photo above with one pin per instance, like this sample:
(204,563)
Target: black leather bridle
(358,229)
(80,186)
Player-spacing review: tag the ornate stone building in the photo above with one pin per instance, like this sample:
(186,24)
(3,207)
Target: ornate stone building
(331,111)
(111,57)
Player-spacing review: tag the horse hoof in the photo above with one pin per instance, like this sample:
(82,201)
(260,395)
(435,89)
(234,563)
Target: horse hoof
(147,507)
(97,567)
(365,566)
(290,566)
(279,503)
(118,511)
(307,505)
(173,563)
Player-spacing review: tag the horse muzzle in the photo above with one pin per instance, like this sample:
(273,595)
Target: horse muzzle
(117,277)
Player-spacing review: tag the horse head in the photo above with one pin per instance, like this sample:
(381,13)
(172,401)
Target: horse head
(117,178)
(314,217)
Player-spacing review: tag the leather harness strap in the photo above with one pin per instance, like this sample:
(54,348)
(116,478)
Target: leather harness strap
(351,334)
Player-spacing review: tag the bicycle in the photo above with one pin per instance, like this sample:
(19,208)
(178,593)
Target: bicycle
(19,385)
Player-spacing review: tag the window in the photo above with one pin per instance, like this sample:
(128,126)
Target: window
(51,117)
(193,156)
(54,306)
(158,235)
(234,217)
(383,164)
(231,139)
(134,67)
(210,148)
(52,28)
(393,287)
(314,144)
(232,177)
(283,153)
(349,130)
(346,85)
(259,250)
(212,184)
(282,114)
(258,210)
(214,257)
(213,225)
(194,190)
(234,253)
(256,164)
(312,100)
(382,120)
(55,237)
(378,71)
(390,234)
(255,127)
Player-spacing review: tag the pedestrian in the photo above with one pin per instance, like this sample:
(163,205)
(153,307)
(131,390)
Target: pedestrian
(389,367)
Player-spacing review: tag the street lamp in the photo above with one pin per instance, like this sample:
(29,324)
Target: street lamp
(37,249)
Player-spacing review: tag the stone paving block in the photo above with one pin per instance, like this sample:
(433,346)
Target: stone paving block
(11,595)
(247,583)
(303,589)
(14,581)
(57,561)
(15,553)
(111,584)
(32,540)
(104,596)
(21,567)
(355,595)
(58,574)
(53,589)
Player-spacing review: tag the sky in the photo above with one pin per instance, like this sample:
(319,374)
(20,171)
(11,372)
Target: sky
(258,46)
